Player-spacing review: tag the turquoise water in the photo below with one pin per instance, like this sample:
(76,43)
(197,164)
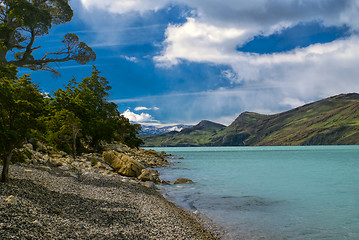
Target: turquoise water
(307,192)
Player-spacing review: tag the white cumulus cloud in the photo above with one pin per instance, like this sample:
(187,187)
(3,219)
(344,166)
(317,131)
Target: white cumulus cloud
(217,28)
(146,108)
(133,117)
(319,70)
(192,40)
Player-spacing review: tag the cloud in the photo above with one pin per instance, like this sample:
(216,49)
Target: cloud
(138,118)
(268,13)
(221,105)
(141,108)
(304,73)
(146,108)
(130,59)
(230,75)
(124,6)
(265,83)
(181,40)
(292,102)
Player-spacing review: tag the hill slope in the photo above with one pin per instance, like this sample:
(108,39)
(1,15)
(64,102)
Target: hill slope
(197,135)
(334,120)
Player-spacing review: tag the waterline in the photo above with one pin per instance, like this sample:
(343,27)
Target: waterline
(271,192)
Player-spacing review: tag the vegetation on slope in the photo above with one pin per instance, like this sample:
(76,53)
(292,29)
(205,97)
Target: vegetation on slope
(334,120)
(75,119)
(197,135)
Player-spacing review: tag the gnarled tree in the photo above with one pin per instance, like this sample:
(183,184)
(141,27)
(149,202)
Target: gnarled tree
(23,21)
(21,103)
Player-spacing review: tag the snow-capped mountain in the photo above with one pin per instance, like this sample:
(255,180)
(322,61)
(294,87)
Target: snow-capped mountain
(154,130)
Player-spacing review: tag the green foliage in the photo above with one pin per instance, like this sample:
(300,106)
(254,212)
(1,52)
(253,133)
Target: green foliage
(92,114)
(127,132)
(63,130)
(30,16)
(20,155)
(21,105)
(80,113)
(23,21)
(8,72)
(199,135)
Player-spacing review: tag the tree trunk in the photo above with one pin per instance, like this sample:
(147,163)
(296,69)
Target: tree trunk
(75,131)
(5,170)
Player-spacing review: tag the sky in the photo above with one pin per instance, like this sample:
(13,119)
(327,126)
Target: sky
(182,61)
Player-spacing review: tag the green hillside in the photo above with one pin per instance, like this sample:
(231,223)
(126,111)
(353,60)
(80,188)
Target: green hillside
(334,120)
(198,135)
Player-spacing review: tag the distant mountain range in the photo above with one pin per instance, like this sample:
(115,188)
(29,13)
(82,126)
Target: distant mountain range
(154,130)
(330,121)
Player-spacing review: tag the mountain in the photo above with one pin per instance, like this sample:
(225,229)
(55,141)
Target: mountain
(330,121)
(154,130)
(197,135)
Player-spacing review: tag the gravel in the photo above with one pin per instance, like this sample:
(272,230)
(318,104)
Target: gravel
(52,204)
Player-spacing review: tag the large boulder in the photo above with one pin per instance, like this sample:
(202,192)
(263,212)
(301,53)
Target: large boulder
(122,163)
(183,181)
(149,175)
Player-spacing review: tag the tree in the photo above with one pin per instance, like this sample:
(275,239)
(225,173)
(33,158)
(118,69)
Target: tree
(63,129)
(127,132)
(21,103)
(23,21)
(99,118)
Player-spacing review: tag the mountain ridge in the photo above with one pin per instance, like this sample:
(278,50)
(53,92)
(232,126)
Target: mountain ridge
(334,120)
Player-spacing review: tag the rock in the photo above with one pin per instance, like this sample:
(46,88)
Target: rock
(58,211)
(65,167)
(56,161)
(45,157)
(165,182)
(55,155)
(37,157)
(45,168)
(94,162)
(41,147)
(101,166)
(149,175)
(149,184)
(28,146)
(11,199)
(124,180)
(133,181)
(62,153)
(122,163)
(114,147)
(183,181)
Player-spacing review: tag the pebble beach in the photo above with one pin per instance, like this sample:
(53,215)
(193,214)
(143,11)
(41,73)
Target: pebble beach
(49,204)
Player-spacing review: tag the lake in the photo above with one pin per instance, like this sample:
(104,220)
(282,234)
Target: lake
(299,192)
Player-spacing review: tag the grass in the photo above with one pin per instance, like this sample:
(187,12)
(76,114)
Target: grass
(330,121)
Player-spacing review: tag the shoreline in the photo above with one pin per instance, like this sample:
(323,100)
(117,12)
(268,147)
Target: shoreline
(40,203)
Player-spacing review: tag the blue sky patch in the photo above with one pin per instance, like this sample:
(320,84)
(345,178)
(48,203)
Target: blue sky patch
(299,36)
